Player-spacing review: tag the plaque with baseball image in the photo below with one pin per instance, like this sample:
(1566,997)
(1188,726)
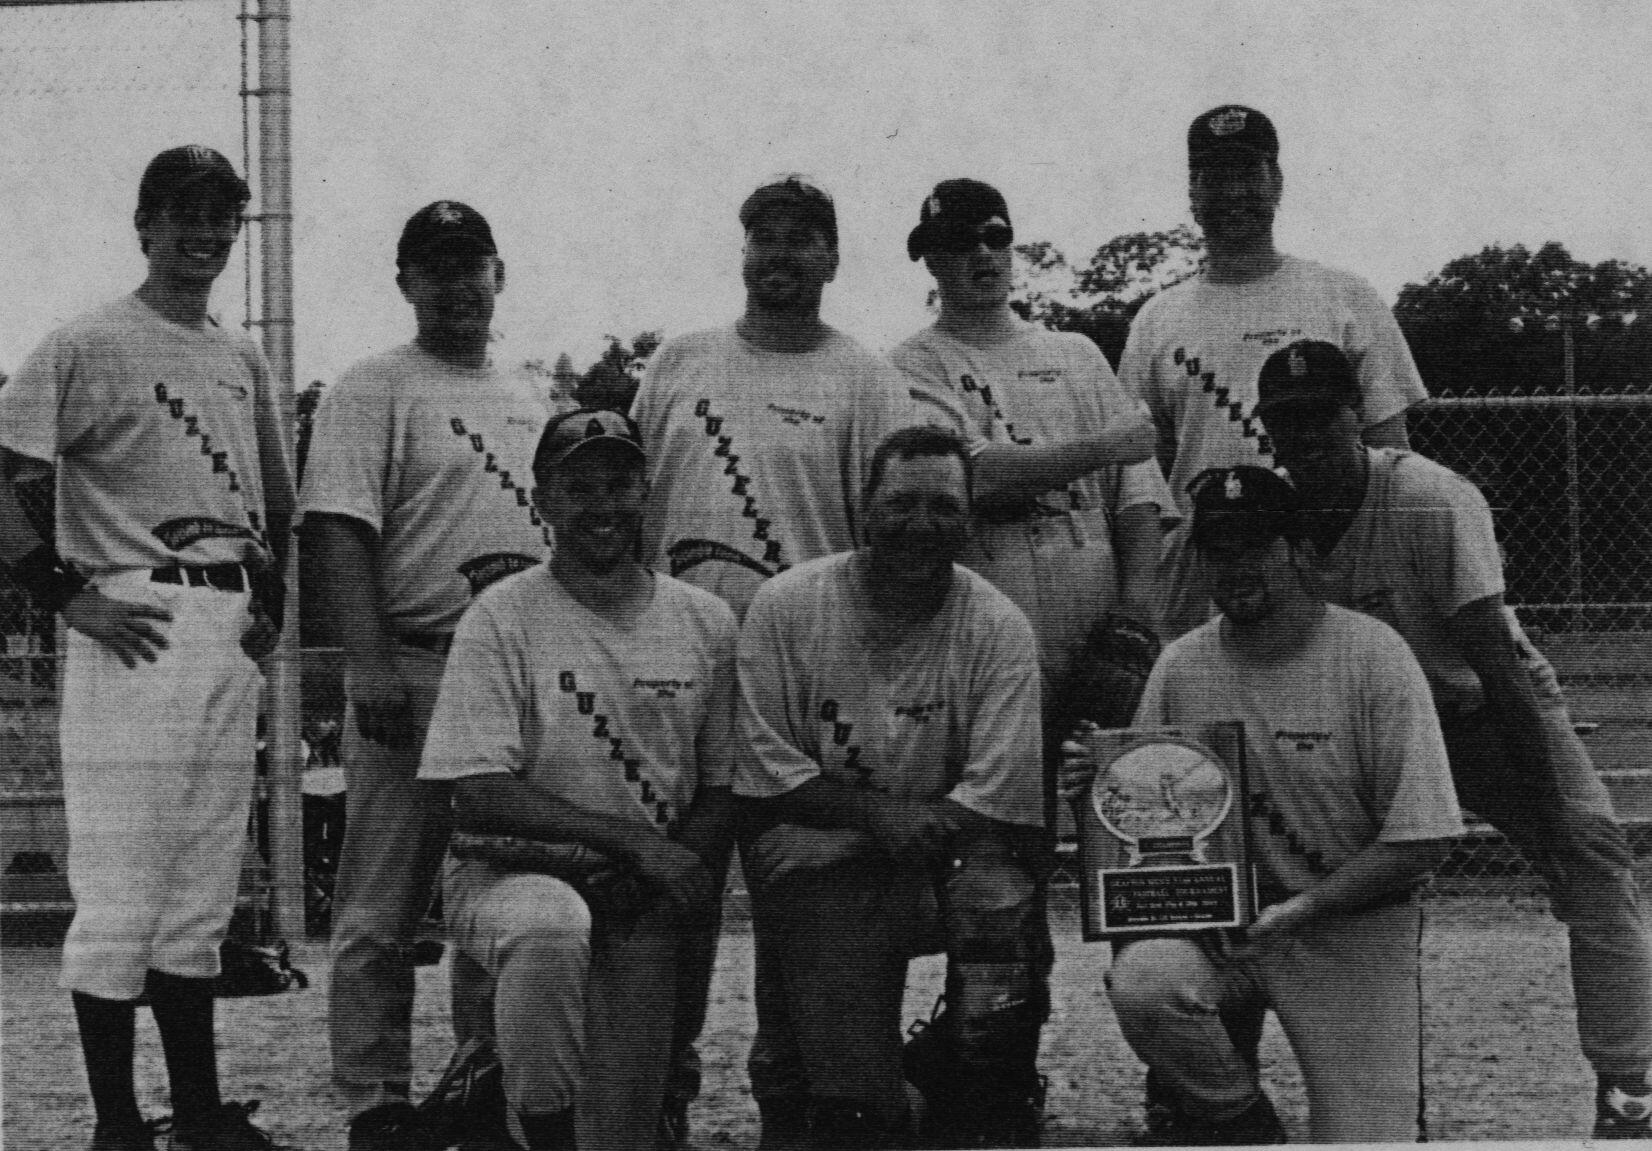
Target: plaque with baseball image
(1163,839)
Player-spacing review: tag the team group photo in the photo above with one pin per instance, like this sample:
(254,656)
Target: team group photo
(1193,697)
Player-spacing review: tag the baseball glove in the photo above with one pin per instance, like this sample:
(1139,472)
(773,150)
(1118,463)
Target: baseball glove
(609,889)
(1108,674)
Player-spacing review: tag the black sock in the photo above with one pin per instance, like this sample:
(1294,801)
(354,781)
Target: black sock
(183,1015)
(107,1027)
(551,1131)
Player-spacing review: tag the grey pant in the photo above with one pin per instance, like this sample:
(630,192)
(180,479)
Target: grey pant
(395,832)
(1560,816)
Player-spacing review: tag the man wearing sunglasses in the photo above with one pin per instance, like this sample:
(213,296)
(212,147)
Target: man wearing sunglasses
(759,437)
(1068,498)
(1195,349)
(171,510)
(1411,543)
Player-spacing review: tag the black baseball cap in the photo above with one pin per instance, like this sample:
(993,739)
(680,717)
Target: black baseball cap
(1244,505)
(1232,126)
(793,191)
(571,431)
(1309,376)
(955,206)
(175,169)
(445,227)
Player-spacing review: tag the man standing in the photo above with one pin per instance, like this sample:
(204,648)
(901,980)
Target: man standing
(1411,543)
(889,713)
(585,713)
(1350,806)
(173,501)
(1195,349)
(416,497)
(758,437)
(1067,497)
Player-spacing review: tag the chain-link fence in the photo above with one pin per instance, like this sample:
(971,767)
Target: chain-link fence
(1569,479)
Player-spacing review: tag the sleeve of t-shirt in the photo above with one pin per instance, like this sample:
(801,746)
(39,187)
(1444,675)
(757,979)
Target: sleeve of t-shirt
(476,728)
(1003,777)
(1455,546)
(37,397)
(934,401)
(1403,744)
(276,472)
(715,747)
(771,758)
(1388,375)
(1153,709)
(1135,372)
(352,451)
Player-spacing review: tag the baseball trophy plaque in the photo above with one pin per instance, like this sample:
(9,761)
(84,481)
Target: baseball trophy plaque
(1162,835)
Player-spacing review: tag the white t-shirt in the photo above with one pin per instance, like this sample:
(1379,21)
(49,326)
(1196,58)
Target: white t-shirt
(166,438)
(629,721)
(438,460)
(757,458)
(1040,387)
(1195,352)
(950,710)
(1419,550)
(1342,746)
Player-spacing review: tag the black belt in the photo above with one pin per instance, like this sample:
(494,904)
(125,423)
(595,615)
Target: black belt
(432,641)
(223,577)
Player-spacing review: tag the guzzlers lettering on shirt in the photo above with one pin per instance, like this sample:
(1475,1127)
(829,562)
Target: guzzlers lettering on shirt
(490,464)
(180,533)
(839,732)
(1222,398)
(585,703)
(689,553)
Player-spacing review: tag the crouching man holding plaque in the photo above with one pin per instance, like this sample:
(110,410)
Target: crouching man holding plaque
(1349,804)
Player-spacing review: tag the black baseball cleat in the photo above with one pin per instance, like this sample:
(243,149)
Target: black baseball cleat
(1257,1125)
(1623,1109)
(227,1127)
(394,1126)
(139,1136)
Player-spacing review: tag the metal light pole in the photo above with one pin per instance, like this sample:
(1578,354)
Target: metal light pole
(285,752)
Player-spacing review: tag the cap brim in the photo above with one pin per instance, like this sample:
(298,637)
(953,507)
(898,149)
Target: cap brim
(610,442)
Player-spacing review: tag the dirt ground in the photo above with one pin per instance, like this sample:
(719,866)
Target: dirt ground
(1501,1061)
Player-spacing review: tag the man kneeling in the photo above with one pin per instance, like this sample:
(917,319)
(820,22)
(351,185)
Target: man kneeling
(890,741)
(585,714)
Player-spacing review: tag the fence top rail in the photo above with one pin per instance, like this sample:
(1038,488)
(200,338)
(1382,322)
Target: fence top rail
(1471,403)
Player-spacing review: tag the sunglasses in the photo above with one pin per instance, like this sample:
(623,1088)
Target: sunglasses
(962,241)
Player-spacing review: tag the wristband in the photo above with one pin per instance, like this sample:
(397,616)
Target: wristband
(50,581)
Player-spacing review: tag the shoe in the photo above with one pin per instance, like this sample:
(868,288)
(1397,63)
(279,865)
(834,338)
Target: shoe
(1621,1113)
(125,1137)
(228,1128)
(1257,1125)
(393,1126)
(673,1126)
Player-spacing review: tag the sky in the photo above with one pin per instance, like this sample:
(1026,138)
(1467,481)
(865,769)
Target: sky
(611,143)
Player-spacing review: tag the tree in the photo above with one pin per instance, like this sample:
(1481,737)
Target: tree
(1122,275)
(612,381)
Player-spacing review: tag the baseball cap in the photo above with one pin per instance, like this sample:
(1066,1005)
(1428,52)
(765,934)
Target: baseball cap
(793,191)
(1307,376)
(443,225)
(1231,126)
(1243,504)
(571,431)
(955,206)
(175,169)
